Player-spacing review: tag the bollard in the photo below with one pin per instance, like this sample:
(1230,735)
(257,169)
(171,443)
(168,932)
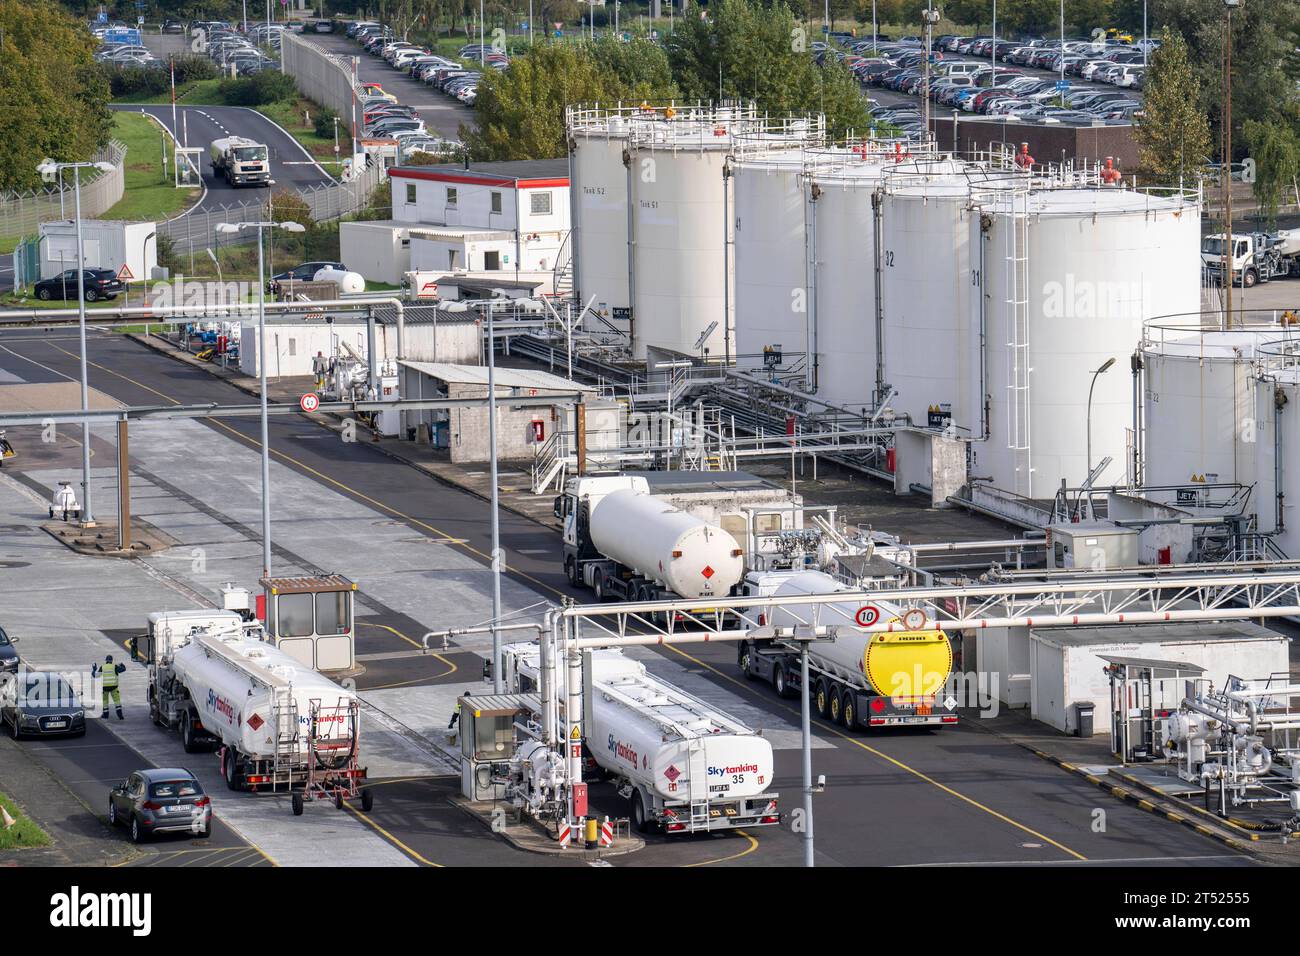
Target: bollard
(592,834)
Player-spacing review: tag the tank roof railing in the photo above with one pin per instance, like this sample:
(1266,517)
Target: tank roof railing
(1264,324)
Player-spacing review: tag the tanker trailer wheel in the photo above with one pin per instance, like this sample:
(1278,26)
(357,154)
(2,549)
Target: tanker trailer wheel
(367,799)
(849,710)
(834,712)
(779,681)
(187,734)
(1249,279)
(746,662)
(598,585)
(639,819)
(231,770)
(821,699)
(296,802)
(338,799)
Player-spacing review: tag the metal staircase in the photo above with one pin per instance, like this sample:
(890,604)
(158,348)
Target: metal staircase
(284,715)
(697,785)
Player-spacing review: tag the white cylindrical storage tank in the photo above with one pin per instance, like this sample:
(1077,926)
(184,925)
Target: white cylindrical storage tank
(677,203)
(769,246)
(1068,277)
(598,205)
(1277,451)
(843,297)
(349,283)
(1198,402)
(926,276)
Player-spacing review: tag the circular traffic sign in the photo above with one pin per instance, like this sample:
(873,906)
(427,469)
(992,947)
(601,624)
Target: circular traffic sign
(309,402)
(914,619)
(867,615)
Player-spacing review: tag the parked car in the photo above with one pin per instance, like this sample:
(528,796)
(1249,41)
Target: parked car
(99,284)
(302,273)
(8,653)
(42,703)
(161,800)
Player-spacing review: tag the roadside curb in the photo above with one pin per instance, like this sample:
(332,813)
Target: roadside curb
(170,351)
(533,839)
(1247,829)
(1129,796)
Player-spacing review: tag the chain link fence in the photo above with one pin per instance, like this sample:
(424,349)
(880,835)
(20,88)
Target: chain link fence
(327,78)
(21,213)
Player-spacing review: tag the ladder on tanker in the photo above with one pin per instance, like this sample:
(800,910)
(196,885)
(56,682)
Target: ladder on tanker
(284,715)
(697,786)
(1016,260)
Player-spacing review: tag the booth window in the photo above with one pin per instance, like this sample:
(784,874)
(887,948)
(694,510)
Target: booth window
(332,612)
(296,615)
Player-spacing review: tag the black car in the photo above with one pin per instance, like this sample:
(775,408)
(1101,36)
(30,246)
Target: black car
(303,273)
(99,283)
(42,703)
(8,654)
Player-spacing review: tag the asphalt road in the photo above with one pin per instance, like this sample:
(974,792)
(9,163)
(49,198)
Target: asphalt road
(90,766)
(440,112)
(956,796)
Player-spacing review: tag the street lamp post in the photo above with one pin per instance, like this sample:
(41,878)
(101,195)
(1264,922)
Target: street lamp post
(234,227)
(1104,366)
(51,172)
(497,557)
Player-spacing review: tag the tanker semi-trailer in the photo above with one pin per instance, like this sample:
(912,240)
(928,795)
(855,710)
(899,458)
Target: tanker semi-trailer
(861,678)
(682,764)
(240,161)
(623,542)
(280,725)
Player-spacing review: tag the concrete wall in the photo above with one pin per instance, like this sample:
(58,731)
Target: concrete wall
(1046,143)
(1156,538)
(934,461)
(292,347)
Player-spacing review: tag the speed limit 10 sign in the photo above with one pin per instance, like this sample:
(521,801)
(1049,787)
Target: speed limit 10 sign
(867,615)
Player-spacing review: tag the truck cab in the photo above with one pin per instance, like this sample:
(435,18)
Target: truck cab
(1254,257)
(573,506)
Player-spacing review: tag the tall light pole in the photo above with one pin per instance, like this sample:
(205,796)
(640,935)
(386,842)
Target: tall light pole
(51,172)
(497,557)
(931,16)
(874,30)
(1062,41)
(1104,366)
(1228,243)
(234,227)
(1145,41)
(993,58)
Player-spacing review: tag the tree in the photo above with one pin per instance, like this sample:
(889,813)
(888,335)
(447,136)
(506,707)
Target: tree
(1173,134)
(53,100)
(745,51)
(521,111)
(1275,148)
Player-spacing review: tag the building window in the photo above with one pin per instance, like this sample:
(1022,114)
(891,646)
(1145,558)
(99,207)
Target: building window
(496,202)
(541,203)
(451,196)
(410,192)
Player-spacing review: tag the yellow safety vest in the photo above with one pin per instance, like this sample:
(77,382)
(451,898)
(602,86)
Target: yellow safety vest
(110,676)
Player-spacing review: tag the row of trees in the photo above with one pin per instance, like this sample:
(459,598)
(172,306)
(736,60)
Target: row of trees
(53,100)
(743,50)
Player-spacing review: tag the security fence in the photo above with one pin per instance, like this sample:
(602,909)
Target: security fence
(22,212)
(326,78)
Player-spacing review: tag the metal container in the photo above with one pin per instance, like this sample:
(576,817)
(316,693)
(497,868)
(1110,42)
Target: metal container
(598,197)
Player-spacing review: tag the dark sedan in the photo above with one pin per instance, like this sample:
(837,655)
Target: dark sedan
(8,653)
(40,703)
(302,273)
(160,800)
(99,284)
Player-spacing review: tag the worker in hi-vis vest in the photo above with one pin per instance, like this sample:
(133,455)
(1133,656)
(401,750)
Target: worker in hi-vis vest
(455,714)
(109,671)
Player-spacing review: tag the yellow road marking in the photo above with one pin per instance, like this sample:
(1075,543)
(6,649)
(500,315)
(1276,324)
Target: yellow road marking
(451,665)
(753,845)
(920,775)
(392,839)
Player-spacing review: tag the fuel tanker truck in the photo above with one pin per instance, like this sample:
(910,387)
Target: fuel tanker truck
(859,679)
(683,765)
(240,161)
(278,725)
(625,543)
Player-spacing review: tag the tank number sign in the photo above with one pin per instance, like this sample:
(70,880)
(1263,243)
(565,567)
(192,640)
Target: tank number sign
(867,615)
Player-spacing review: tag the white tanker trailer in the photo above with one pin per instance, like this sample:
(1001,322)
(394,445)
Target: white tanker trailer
(683,764)
(623,542)
(279,725)
(860,679)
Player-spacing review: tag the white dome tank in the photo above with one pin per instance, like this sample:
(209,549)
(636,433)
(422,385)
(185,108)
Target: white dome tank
(1199,401)
(349,283)
(926,274)
(1087,266)
(598,205)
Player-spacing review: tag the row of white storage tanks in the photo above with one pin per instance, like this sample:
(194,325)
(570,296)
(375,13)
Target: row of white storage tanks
(1221,405)
(997,296)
